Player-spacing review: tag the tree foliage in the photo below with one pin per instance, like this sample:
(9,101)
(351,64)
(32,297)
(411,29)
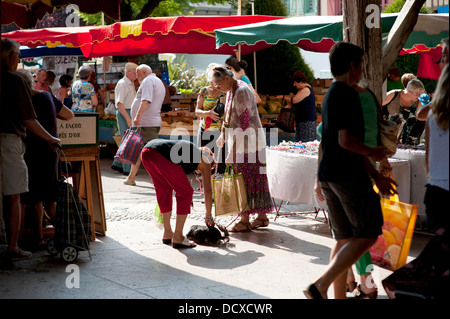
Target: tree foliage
(397,6)
(409,63)
(140,9)
(277,64)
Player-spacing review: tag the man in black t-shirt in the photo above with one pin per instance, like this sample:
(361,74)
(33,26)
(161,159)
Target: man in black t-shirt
(344,173)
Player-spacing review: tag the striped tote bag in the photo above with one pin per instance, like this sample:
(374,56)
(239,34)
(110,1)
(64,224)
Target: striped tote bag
(130,147)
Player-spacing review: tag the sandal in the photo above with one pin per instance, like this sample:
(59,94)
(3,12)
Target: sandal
(259,222)
(311,292)
(186,243)
(20,255)
(209,221)
(351,286)
(236,230)
(359,294)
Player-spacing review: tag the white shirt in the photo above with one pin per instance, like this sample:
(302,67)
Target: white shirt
(125,92)
(438,156)
(152,90)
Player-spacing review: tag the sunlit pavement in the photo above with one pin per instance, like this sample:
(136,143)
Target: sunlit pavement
(131,262)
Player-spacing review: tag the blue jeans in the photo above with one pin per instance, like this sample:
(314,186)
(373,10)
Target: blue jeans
(122,127)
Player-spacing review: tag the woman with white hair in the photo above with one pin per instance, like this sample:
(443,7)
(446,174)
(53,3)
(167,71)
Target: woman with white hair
(83,93)
(245,139)
(400,105)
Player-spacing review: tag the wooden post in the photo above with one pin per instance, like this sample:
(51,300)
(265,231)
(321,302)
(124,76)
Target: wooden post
(362,27)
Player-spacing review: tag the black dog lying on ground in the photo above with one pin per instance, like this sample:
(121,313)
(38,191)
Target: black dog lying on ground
(208,235)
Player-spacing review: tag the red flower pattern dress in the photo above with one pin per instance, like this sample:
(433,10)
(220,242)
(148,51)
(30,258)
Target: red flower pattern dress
(248,154)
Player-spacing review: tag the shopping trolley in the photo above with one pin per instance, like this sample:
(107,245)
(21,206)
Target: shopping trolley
(73,228)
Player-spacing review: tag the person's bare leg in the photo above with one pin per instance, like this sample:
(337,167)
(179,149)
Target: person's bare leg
(168,233)
(242,225)
(345,253)
(179,226)
(16,212)
(51,211)
(133,172)
(38,209)
(14,221)
(351,280)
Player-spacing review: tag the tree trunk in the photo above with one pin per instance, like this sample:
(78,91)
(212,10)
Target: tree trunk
(147,9)
(364,30)
(400,32)
(361,28)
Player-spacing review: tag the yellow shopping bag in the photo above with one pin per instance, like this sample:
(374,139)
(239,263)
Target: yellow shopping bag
(230,195)
(392,247)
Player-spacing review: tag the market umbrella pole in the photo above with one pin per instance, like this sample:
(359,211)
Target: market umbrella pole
(254,53)
(104,64)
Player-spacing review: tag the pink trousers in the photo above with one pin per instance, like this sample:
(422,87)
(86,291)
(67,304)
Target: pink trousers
(168,177)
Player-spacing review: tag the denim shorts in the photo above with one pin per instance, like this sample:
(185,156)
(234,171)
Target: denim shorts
(354,209)
(14,169)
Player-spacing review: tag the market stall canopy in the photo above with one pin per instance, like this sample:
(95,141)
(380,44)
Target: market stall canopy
(193,34)
(319,33)
(25,13)
(69,37)
(190,35)
(44,51)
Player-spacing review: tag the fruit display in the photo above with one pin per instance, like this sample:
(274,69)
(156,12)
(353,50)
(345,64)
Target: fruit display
(109,117)
(386,251)
(270,106)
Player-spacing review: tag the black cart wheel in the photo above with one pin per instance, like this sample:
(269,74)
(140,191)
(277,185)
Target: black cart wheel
(69,253)
(51,247)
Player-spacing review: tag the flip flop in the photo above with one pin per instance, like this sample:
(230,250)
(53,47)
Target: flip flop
(167,241)
(186,243)
(312,292)
(246,228)
(262,223)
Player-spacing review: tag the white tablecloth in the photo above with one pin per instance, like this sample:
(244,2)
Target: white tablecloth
(291,177)
(418,175)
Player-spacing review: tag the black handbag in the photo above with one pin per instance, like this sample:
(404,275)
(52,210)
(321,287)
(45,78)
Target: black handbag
(286,120)
(220,108)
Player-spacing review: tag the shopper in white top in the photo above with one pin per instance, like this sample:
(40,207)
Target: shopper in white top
(437,156)
(124,95)
(146,110)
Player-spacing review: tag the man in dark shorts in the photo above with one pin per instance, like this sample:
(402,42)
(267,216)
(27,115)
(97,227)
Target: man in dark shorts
(345,173)
(16,119)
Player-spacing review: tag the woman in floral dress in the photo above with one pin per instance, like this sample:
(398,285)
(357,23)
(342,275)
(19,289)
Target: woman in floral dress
(246,142)
(83,93)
